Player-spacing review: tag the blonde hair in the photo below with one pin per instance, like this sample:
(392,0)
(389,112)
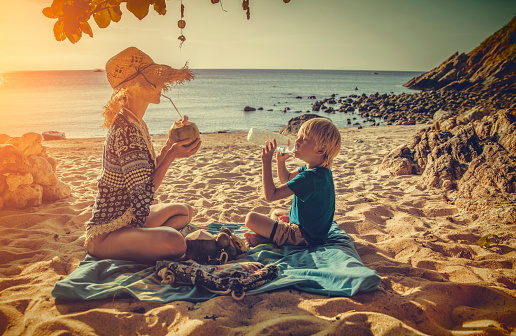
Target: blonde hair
(114,106)
(325,135)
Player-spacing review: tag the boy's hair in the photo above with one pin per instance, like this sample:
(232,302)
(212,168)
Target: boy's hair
(325,135)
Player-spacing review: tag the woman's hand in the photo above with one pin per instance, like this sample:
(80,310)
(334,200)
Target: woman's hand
(181,150)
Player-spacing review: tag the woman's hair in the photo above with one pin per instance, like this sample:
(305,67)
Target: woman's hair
(121,98)
(325,135)
(114,106)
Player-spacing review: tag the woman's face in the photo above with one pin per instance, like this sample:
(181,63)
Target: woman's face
(151,94)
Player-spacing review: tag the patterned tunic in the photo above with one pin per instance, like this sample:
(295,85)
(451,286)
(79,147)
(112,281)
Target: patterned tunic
(125,186)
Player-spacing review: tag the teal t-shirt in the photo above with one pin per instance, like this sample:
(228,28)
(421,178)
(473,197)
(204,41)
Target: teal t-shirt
(313,205)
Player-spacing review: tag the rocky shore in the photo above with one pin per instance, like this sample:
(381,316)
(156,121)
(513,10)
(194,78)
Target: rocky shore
(417,107)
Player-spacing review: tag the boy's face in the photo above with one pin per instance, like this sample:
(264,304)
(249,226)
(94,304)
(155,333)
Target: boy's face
(305,147)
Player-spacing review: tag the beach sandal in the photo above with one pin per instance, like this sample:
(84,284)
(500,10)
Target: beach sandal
(233,278)
(189,228)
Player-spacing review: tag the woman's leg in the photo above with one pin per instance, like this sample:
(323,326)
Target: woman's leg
(140,244)
(174,215)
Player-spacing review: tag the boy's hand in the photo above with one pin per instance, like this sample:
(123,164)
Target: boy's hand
(268,151)
(282,157)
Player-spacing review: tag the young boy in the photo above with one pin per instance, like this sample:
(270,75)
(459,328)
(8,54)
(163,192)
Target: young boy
(313,206)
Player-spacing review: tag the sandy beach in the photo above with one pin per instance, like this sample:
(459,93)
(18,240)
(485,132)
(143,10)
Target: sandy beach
(436,279)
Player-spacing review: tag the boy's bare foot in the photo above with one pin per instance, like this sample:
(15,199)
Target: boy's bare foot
(254,239)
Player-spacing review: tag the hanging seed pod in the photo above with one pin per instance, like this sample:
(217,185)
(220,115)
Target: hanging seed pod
(245,4)
(182,11)
(181,24)
(214,1)
(286,1)
(248,14)
(182,38)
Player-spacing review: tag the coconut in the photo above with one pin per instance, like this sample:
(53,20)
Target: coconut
(183,129)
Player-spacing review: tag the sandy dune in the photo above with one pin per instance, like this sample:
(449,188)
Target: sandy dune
(436,279)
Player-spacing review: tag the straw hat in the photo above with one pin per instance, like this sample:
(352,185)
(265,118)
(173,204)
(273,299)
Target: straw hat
(133,67)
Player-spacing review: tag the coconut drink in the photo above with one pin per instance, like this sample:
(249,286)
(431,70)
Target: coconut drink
(182,130)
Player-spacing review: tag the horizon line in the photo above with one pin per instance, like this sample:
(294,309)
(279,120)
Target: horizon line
(193,69)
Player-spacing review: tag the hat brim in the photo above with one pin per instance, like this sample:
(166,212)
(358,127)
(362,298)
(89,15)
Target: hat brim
(158,75)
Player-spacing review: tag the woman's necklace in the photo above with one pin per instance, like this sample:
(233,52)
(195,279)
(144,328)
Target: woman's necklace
(145,131)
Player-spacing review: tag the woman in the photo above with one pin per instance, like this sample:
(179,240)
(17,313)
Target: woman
(124,224)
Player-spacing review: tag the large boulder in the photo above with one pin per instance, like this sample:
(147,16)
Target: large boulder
(476,162)
(42,171)
(295,123)
(12,160)
(13,181)
(27,175)
(488,68)
(25,195)
(28,143)
(56,192)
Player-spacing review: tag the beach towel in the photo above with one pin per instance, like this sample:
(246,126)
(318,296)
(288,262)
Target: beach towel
(331,269)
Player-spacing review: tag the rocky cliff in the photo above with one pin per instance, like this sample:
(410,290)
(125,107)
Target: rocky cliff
(491,67)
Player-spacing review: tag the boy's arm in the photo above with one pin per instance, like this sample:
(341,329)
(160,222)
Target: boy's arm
(283,173)
(270,191)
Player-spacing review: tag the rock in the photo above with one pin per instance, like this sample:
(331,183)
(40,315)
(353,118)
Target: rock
(476,113)
(4,138)
(28,143)
(53,162)
(249,109)
(441,115)
(28,180)
(13,181)
(397,162)
(53,135)
(24,196)
(489,67)
(12,160)
(56,192)
(295,123)
(3,184)
(476,162)
(42,171)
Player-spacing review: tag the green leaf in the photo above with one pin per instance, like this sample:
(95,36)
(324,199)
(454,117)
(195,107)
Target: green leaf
(73,31)
(59,30)
(49,13)
(115,13)
(102,18)
(57,7)
(86,28)
(160,7)
(140,8)
(487,240)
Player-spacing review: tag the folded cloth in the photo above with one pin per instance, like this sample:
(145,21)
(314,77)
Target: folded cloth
(331,269)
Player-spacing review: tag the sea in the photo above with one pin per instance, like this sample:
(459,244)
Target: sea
(72,101)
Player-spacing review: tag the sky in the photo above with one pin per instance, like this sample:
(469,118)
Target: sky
(400,35)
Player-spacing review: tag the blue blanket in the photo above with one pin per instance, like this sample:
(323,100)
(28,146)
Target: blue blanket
(332,269)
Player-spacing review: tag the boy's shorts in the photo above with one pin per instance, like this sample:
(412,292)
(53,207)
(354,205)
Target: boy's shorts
(285,233)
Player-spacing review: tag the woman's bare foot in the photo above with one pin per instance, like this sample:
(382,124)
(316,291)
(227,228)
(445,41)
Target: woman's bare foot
(254,239)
